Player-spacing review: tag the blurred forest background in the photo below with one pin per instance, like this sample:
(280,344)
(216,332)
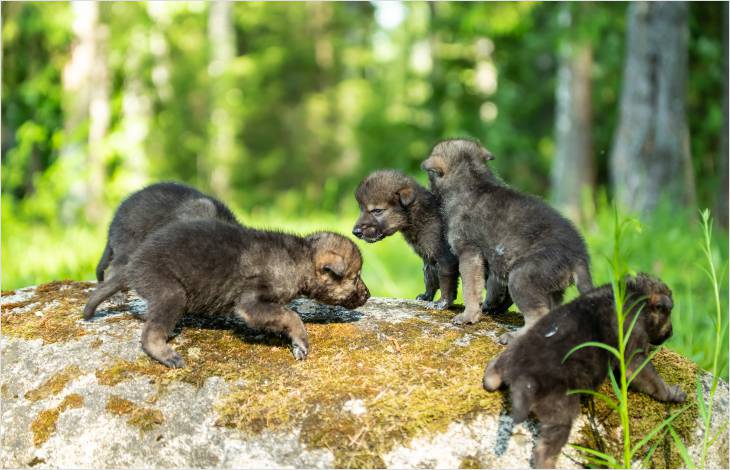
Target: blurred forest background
(280,109)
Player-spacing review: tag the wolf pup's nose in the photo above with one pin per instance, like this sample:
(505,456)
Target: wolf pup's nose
(357,231)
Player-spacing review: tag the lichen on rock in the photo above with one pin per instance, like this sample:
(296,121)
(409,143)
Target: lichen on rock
(143,418)
(54,385)
(389,384)
(55,318)
(45,423)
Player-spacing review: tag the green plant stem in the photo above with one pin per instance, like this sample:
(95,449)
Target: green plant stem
(619,289)
(624,402)
(707,228)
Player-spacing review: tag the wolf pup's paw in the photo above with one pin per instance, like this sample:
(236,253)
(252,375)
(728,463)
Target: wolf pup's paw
(174,361)
(506,338)
(465,318)
(676,394)
(425,297)
(299,351)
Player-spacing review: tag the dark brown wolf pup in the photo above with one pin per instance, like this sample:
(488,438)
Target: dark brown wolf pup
(527,245)
(533,368)
(217,267)
(392,202)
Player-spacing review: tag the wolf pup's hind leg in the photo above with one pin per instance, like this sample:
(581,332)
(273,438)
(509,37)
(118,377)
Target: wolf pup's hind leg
(102,292)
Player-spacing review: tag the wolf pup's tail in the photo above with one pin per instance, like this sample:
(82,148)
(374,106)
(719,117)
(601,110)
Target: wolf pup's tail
(582,275)
(103,291)
(106,258)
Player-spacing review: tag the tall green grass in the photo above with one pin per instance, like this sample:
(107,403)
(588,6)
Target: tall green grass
(667,247)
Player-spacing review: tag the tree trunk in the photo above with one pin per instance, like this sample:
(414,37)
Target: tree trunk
(573,172)
(651,158)
(86,87)
(136,113)
(222,131)
(721,205)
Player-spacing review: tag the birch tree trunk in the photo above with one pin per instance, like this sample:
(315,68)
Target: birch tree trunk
(651,154)
(86,96)
(721,205)
(573,171)
(136,113)
(222,131)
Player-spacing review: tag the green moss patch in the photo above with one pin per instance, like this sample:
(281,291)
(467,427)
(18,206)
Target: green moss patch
(54,385)
(646,413)
(143,418)
(45,423)
(62,303)
(410,376)
(123,370)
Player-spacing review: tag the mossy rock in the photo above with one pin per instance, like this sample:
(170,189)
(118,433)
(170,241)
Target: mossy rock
(391,384)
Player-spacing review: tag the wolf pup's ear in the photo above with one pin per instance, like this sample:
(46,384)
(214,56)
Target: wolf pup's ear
(406,195)
(332,263)
(661,301)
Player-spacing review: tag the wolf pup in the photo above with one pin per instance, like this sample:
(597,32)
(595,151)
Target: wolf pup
(218,267)
(393,202)
(532,366)
(147,210)
(526,244)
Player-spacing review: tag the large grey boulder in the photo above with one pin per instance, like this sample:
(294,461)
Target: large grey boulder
(390,384)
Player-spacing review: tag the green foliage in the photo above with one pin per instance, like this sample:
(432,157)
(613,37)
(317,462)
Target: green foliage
(320,95)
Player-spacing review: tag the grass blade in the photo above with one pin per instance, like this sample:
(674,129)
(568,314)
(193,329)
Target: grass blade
(643,364)
(688,463)
(722,429)
(656,430)
(613,404)
(596,453)
(596,457)
(701,400)
(627,335)
(647,458)
(593,344)
(614,384)
(633,353)
(596,463)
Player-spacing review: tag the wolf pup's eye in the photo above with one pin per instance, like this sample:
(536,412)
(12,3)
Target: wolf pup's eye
(376,211)
(435,173)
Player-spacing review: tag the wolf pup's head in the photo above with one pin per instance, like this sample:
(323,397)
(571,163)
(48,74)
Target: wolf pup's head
(384,198)
(453,162)
(337,264)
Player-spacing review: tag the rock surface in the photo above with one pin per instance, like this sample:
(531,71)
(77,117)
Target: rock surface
(390,384)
